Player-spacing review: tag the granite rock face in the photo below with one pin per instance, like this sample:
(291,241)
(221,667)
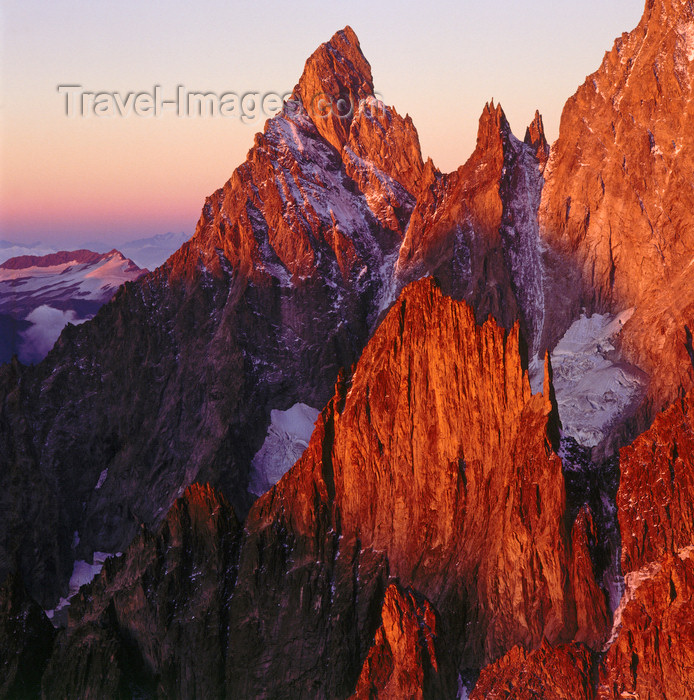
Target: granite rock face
(154,621)
(403,661)
(653,654)
(656,490)
(562,673)
(476,229)
(175,380)
(423,530)
(618,201)
(293,263)
(650,652)
(431,530)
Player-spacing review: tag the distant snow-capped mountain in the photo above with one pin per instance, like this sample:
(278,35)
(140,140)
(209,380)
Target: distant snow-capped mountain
(445,521)
(150,252)
(39,295)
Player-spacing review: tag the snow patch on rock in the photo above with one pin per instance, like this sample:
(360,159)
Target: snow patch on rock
(632,581)
(102,478)
(82,573)
(287,438)
(687,33)
(593,386)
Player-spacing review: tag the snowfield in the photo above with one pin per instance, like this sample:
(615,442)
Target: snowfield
(88,281)
(51,296)
(82,574)
(593,386)
(287,438)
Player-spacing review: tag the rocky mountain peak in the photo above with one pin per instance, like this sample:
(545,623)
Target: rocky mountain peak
(402,661)
(80,257)
(380,135)
(335,78)
(201,505)
(536,139)
(434,522)
(493,127)
(658,9)
(618,200)
(442,482)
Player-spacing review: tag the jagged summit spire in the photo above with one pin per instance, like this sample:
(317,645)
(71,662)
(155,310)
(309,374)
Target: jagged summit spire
(535,130)
(494,114)
(336,76)
(535,138)
(346,35)
(493,126)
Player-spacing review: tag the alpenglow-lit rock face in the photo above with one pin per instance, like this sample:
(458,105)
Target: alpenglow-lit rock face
(650,652)
(279,288)
(403,661)
(618,202)
(432,466)
(416,529)
(293,263)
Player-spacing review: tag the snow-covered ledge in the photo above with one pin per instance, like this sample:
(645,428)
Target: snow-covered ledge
(287,438)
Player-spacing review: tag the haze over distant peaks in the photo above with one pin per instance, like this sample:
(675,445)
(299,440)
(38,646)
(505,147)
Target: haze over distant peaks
(481,343)
(39,295)
(149,252)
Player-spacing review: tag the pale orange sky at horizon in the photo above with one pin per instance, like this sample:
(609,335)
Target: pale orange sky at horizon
(70,179)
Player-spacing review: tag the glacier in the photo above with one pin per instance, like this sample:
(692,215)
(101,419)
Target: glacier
(287,438)
(594,387)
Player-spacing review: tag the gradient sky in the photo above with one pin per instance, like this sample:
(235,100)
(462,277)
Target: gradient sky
(68,180)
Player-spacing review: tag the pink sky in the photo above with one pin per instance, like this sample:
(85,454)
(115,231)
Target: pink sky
(114,178)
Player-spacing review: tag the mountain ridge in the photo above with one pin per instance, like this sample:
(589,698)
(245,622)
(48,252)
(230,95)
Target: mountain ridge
(62,256)
(39,295)
(307,282)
